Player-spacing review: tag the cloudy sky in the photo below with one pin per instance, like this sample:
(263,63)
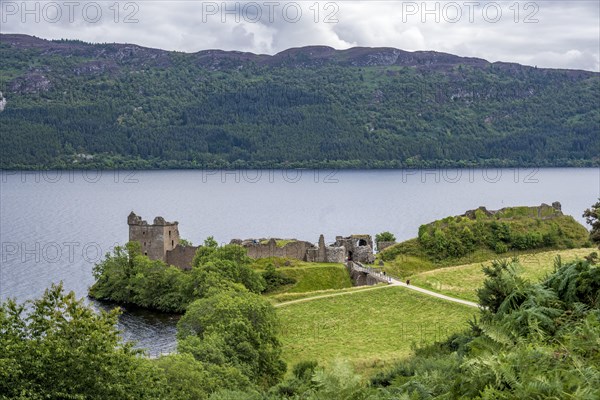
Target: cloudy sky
(557,34)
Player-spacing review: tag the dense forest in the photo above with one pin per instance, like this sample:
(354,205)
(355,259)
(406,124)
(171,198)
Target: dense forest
(68,104)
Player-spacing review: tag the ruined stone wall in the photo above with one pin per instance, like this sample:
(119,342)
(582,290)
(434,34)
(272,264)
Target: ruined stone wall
(358,247)
(322,250)
(335,254)
(384,245)
(328,254)
(363,254)
(312,255)
(542,211)
(181,256)
(160,241)
(296,249)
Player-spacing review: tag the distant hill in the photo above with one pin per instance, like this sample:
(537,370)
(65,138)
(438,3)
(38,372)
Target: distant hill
(69,103)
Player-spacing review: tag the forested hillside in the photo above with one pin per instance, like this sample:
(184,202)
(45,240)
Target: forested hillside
(71,104)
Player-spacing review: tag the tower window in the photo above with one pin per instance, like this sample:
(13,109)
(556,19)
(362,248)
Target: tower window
(144,232)
(145,253)
(172,243)
(169,233)
(144,243)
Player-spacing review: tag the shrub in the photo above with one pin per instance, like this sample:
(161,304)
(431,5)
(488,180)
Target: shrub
(501,248)
(275,279)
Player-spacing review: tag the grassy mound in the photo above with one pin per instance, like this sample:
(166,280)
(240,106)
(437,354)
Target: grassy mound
(308,277)
(482,235)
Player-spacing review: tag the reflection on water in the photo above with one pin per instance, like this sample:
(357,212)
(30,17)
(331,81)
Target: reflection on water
(150,330)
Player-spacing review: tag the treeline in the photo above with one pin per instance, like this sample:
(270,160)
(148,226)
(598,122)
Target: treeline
(132,115)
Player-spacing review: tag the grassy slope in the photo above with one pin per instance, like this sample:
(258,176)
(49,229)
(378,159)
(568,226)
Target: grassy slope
(462,281)
(318,277)
(413,260)
(370,329)
(309,277)
(285,297)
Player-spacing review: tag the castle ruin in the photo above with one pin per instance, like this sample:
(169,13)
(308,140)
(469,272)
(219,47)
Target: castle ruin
(160,241)
(354,248)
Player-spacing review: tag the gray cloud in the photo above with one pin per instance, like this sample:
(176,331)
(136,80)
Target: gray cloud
(556,34)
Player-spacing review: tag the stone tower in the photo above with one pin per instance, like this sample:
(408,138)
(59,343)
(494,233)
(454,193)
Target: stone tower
(156,239)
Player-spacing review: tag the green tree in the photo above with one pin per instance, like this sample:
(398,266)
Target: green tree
(592,217)
(384,237)
(127,276)
(232,263)
(58,348)
(234,328)
(186,378)
(113,274)
(185,243)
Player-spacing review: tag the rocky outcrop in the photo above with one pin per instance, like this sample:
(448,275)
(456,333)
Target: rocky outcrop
(34,82)
(2,102)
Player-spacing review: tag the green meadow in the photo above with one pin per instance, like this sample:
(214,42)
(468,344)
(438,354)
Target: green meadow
(463,281)
(369,328)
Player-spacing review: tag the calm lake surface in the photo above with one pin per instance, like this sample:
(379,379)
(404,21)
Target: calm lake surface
(54,226)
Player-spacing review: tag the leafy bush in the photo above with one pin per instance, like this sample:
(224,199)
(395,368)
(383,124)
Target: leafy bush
(236,329)
(501,248)
(275,279)
(127,276)
(513,228)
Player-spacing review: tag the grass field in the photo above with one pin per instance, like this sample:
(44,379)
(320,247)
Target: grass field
(463,281)
(415,260)
(284,297)
(370,328)
(317,277)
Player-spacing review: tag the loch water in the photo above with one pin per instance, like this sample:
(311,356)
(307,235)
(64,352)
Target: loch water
(55,225)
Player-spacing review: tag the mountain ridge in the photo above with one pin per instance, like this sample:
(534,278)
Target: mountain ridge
(359,56)
(68,104)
